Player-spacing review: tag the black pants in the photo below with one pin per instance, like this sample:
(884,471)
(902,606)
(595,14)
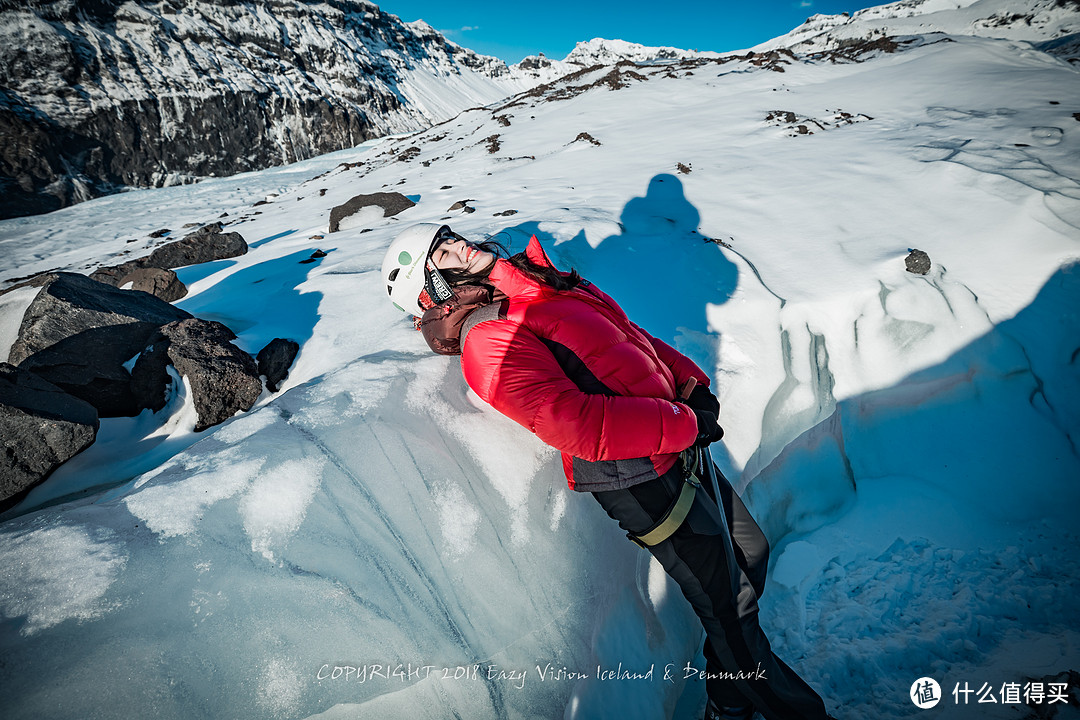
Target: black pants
(723,594)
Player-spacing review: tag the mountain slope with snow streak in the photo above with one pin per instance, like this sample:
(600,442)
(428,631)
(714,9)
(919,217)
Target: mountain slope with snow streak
(1035,21)
(908,443)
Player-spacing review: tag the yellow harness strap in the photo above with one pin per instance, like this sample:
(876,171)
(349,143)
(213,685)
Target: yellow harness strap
(672,519)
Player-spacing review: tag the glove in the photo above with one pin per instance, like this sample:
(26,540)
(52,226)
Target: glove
(709,431)
(702,399)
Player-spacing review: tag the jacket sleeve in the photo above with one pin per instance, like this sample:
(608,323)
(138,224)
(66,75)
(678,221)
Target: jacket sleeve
(682,367)
(514,372)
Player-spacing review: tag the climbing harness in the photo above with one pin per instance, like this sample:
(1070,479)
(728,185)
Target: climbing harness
(676,513)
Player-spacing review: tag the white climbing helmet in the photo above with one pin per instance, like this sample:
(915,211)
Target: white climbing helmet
(406,270)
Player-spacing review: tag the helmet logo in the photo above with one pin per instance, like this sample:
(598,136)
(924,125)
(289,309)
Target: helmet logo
(403,265)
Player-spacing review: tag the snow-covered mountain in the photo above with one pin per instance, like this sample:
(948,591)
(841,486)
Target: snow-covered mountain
(1036,21)
(95,97)
(102,95)
(372,541)
(600,51)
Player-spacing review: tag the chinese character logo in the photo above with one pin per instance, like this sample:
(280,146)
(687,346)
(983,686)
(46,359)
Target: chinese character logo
(925,693)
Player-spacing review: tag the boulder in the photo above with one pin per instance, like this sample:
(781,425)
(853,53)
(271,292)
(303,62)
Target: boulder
(41,427)
(917,262)
(391,204)
(204,245)
(154,274)
(159,282)
(314,256)
(223,378)
(77,333)
(275,360)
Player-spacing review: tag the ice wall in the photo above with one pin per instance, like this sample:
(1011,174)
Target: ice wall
(378,517)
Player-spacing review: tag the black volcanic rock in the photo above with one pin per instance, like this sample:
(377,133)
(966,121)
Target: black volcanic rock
(275,360)
(158,282)
(391,204)
(223,378)
(206,244)
(77,333)
(153,273)
(41,427)
(917,262)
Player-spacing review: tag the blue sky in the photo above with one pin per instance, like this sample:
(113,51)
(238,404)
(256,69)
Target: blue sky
(511,30)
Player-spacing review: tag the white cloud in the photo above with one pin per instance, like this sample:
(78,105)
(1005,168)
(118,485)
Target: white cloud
(458,31)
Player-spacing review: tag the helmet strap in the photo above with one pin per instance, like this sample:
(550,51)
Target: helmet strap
(435,286)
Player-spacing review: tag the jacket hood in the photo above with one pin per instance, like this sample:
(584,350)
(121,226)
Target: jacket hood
(441,325)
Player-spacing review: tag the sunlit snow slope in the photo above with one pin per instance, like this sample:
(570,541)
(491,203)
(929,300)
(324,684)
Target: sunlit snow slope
(1034,21)
(909,443)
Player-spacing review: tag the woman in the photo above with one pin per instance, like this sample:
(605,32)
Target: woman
(554,353)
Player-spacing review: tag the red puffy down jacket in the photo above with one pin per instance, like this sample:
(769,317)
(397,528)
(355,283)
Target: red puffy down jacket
(572,368)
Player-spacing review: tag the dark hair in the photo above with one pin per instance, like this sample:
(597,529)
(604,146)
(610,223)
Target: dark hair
(544,274)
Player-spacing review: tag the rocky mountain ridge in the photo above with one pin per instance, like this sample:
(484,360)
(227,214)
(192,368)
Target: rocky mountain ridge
(1054,25)
(600,51)
(100,95)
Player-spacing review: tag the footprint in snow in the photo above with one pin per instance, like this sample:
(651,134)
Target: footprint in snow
(1047,136)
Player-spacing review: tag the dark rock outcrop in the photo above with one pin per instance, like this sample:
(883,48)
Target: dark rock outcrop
(206,244)
(77,333)
(917,262)
(154,274)
(275,360)
(41,427)
(391,204)
(223,378)
(159,282)
(314,256)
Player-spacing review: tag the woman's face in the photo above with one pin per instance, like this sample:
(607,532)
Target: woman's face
(456,254)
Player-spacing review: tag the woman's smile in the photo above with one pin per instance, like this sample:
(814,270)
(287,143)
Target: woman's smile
(457,254)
